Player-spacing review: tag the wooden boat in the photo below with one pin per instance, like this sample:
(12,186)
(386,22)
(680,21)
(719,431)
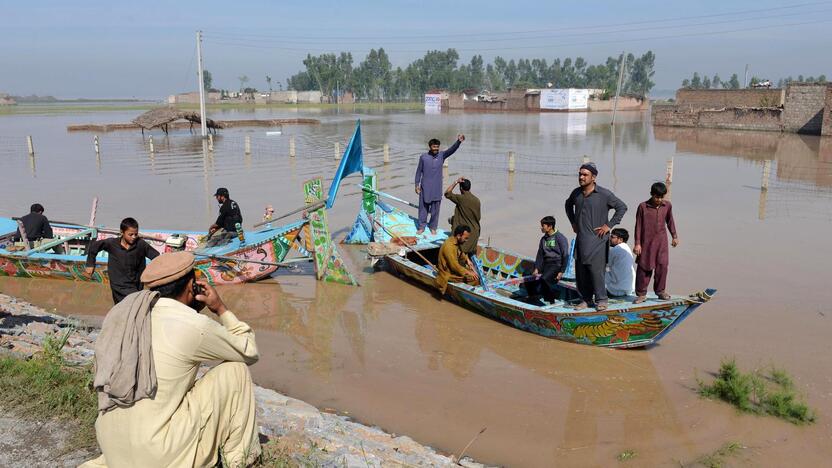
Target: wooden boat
(507,293)
(263,252)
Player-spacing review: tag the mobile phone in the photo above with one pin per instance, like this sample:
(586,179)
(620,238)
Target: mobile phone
(198,289)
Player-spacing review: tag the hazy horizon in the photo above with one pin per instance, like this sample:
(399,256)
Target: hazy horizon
(101,50)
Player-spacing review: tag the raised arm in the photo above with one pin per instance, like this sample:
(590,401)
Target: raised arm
(448,152)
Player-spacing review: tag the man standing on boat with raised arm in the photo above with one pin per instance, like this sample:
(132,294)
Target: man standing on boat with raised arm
(467,212)
(588,208)
(429,182)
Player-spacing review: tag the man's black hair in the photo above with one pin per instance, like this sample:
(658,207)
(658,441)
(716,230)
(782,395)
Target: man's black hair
(465,185)
(622,233)
(433,141)
(659,189)
(548,220)
(176,288)
(461,228)
(128,223)
(36,208)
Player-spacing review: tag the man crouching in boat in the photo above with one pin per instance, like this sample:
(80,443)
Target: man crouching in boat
(152,411)
(453,265)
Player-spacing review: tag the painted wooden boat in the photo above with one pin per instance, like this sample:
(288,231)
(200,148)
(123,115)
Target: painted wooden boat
(508,294)
(235,262)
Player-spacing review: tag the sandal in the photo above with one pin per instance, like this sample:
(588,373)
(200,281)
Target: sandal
(582,305)
(663,296)
(601,307)
(640,299)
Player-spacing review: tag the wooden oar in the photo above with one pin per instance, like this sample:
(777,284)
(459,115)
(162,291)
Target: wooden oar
(312,207)
(258,262)
(405,244)
(387,195)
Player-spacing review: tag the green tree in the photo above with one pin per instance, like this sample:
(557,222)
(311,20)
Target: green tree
(207,80)
(734,82)
(686,83)
(640,73)
(706,83)
(716,82)
(243,80)
(696,81)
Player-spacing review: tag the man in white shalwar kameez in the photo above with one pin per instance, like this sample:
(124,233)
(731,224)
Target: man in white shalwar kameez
(621,270)
(188,422)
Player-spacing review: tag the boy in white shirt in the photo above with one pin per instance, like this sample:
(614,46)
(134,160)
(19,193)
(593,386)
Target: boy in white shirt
(621,270)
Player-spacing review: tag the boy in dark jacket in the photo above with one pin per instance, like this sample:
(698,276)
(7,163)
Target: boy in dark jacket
(550,262)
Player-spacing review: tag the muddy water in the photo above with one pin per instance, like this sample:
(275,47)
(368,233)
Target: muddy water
(388,354)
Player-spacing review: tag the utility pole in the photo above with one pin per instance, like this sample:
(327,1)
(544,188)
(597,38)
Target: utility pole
(618,87)
(202,118)
(746,76)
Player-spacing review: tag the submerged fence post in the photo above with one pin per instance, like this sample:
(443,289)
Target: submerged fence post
(386,153)
(31,145)
(152,149)
(210,142)
(766,175)
(511,161)
(291,146)
(248,144)
(97,148)
(668,179)
(585,159)
(337,151)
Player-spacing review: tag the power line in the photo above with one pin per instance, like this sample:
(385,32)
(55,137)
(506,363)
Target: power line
(514,33)
(253,45)
(548,36)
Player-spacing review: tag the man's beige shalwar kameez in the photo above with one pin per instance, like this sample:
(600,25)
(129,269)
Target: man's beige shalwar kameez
(188,424)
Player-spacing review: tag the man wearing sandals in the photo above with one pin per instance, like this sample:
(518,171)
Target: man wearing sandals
(588,208)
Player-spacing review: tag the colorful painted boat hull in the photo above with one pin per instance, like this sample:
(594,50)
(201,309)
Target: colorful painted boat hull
(269,245)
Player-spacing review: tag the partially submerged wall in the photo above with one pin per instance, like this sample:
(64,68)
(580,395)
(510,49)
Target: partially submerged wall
(732,118)
(719,98)
(803,111)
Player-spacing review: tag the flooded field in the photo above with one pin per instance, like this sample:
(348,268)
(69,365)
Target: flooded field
(389,354)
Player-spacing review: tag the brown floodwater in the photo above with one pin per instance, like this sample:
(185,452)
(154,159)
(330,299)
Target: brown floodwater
(388,354)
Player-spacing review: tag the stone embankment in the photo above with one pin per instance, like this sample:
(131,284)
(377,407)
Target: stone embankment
(299,429)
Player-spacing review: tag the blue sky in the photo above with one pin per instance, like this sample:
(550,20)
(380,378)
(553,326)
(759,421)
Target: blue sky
(147,49)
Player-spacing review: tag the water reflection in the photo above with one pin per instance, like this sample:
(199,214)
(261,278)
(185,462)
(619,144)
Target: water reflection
(800,158)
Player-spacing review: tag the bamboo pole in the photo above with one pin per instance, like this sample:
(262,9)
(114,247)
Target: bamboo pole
(31,145)
(386,153)
(97,148)
(292,146)
(669,172)
(248,144)
(585,159)
(152,149)
(210,142)
(337,151)
(511,161)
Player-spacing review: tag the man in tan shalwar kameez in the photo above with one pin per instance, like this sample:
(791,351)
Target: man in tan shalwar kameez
(453,265)
(188,422)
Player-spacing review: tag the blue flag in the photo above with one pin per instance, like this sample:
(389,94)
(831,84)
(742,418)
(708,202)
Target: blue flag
(352,161)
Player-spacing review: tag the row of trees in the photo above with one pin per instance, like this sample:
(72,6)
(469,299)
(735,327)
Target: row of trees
(698,82)
(376,79)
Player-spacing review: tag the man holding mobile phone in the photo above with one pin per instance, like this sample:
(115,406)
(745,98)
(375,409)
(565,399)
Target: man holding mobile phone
(182,421)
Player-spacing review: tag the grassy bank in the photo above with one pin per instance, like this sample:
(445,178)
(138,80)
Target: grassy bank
(57,108)
(44,387)
(771,393)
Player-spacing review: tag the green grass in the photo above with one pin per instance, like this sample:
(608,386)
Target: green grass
(44,387)
(627,455)
(717,458)
(757,393)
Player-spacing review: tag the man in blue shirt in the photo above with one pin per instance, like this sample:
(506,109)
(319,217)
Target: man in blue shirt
(429,182)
